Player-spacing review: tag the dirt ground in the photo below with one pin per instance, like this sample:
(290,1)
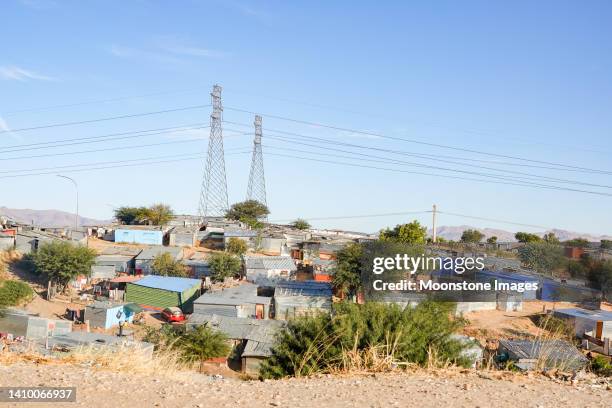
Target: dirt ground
(96,389)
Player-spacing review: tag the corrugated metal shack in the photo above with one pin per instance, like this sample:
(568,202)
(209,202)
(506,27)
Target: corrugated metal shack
(140,234)
(183,236)
(198,265)
(255,337)
(532,354)
(142,263)
(7,241)
(20,323)
(239,301)
(248,236)
(27,242)
(292,298)
(108,266)
(160,292)
(595,323)
(108,314)
(265,270)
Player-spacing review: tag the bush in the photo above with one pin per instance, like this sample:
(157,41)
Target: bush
(600,365)
(236,246)
(61,261)
(201,344)
(164,265)
(223,265)
(325,343)
(14,292)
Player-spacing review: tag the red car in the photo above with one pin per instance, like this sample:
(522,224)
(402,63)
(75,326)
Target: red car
(173,314)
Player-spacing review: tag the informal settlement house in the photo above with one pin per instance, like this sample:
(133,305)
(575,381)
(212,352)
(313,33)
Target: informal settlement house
(265,270)
(239,301)
(159,292)
(142,264)
(140,234)
(183,236)
(594,323)
(534,354)
(254,337)
(107,314)
(18,323)
(293,298)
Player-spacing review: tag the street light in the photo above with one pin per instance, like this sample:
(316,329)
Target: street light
(76,186)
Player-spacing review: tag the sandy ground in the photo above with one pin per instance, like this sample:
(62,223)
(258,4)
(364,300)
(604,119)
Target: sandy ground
(420,389)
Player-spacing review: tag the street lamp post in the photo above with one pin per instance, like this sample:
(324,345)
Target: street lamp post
(76,187)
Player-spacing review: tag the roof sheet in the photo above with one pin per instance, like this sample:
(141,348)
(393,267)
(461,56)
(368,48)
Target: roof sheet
(305,288)
(238,295)
(170,283)
(240,233)
(269,262)
(152,252)
(586,314)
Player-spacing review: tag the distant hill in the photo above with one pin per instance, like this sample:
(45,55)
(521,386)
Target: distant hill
(47,218)
(454,233)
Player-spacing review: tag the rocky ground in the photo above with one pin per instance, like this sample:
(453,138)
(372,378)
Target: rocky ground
(97,388)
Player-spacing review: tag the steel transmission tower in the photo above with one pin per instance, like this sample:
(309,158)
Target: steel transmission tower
(257,180)
(213,196)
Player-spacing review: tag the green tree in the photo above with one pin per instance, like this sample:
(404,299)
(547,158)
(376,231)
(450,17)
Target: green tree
(131,215)
(492,240)
(160,214)
(319,343)
(542,256)
(526,237)
(411,233)
(577,242)
(13,293)
(471,236)
(61,261)
(605,244)
(201,344)
(551,238)
(223,265)
(247,210)
(165,265)
(347,275)
(301,224)
(236,246)
(600,276)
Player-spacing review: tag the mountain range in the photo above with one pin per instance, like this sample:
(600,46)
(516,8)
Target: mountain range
(454,233)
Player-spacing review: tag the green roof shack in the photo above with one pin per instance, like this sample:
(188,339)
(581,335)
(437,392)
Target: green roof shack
(159,292)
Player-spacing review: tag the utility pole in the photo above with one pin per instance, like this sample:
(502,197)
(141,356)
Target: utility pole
(257,180)
(76,186)
(213,194)
(435,235)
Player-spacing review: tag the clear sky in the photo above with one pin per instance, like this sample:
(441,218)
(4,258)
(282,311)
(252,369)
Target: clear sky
(522,78)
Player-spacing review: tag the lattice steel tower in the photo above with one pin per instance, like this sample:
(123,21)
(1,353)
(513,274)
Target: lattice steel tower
(257,180)
(213,196)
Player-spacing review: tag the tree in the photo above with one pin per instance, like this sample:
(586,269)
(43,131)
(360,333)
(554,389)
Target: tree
(492,240)
(605,244)
(542,256)
(164,265)
(471,236)
(551,238)
(247,210)
(201,344)
(223,265)
(301,224)
(600,276)
(131,215)
(160,214)
(236,246)
(347,275)
(411,233)
(526,237)
(577,242)
(61,261)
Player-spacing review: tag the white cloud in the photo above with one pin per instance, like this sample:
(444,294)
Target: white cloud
(166,49)
(5,130)
(13,73)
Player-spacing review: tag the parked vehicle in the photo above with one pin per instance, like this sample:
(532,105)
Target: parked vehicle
(173,314)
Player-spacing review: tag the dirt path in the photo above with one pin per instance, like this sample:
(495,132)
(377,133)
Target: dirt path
(98,389)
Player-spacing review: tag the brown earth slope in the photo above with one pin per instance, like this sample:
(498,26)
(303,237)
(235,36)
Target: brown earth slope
(421,389)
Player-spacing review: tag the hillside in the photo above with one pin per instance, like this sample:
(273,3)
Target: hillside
(46,218)
(418,389)
(454,233)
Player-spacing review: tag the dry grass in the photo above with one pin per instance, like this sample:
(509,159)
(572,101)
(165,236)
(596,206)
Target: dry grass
(118,359)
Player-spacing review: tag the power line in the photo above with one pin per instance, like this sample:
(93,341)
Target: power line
(199,157)
(134,115)
(32,146)
(343,129)
(493,220)
(522,184)
(386,160)
(341,217)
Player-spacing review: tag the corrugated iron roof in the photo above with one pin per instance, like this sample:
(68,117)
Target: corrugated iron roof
(238,295)
(269,262)
(170,283)
(305,288)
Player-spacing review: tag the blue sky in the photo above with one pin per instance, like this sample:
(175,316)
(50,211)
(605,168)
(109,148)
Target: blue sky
(525,79)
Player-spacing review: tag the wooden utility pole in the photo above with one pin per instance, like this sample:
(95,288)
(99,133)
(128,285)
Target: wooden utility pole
(434,237)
